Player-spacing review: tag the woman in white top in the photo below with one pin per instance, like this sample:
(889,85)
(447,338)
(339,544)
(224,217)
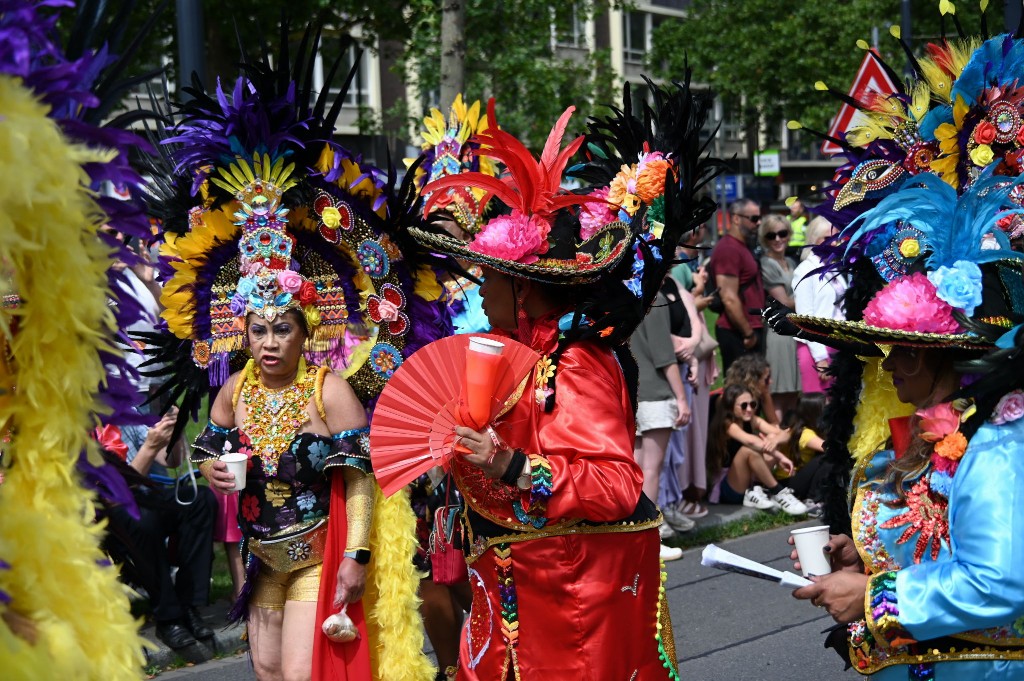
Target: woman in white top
(820,296)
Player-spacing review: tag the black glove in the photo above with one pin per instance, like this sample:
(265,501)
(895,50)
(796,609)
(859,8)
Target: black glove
(776,317)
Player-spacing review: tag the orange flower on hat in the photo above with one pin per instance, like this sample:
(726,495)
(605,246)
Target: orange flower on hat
(650,178)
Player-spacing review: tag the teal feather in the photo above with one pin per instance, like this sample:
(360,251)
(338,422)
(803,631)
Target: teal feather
(952,228)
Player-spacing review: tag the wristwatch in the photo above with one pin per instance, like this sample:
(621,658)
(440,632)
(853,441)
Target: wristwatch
(361,556)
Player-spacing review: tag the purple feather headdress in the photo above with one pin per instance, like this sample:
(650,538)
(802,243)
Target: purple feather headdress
(29,50)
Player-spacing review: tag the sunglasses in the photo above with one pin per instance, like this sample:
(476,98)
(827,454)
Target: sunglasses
(747,405)
(772,236)
(753,218)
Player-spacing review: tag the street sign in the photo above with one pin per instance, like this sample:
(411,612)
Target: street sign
(766,163)
(727,189)
(871,78)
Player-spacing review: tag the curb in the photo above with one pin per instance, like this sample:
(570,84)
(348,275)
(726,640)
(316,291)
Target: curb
(225,641)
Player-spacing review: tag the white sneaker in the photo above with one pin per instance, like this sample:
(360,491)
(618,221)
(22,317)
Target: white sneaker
(668,553)
(676,520)
(755,497)
(789,503)
(665,532)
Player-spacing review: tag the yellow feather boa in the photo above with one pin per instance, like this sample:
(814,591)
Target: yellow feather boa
(80,612)
(394,625)
(878,404)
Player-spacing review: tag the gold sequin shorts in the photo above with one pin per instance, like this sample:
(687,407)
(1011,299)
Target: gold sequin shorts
(273,588)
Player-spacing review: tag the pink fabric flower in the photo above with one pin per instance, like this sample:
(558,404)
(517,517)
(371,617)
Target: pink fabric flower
(1010,408)
(596,215)
(939,421)
(388,311)
(910,304)
(290,282)
(514,237)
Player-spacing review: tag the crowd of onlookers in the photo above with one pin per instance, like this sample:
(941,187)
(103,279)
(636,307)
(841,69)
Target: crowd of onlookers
(752,438)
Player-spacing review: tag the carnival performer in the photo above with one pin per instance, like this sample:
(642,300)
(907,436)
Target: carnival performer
(925,403)
(289,300)
(554,508)
(929,583)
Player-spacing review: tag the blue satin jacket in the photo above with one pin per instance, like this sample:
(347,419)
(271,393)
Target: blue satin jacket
(946,596)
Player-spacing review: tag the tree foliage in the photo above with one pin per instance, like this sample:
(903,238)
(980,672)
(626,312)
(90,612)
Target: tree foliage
(771,52)
(509,50)
(510,56)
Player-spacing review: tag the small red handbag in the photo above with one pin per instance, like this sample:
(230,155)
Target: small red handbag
(447,562)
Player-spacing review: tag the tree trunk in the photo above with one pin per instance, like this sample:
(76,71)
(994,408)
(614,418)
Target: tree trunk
(453,50)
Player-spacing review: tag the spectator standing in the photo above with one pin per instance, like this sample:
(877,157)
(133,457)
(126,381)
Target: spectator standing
(686,470)
(816,295)
(661,402)
(777,273)
(738,281)
(798,222)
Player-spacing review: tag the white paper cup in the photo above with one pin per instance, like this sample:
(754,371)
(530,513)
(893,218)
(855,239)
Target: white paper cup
(236,466)
(810,542)
(485,345)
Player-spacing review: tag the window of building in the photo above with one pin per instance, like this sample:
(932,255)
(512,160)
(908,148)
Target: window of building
(332,47)
(569,29)
(637,31)
(671,4)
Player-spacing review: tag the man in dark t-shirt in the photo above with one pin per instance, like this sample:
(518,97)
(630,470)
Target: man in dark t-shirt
(739,329)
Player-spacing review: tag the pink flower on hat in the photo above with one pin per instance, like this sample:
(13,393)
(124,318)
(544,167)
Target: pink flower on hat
(596,215)
(516,237)
(911,304)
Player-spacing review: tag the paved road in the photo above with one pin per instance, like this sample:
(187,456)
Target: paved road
(728,627)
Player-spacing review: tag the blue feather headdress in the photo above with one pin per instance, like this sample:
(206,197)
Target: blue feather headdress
(948,275)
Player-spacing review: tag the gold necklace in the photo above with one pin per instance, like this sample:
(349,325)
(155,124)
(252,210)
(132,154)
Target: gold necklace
(274,416)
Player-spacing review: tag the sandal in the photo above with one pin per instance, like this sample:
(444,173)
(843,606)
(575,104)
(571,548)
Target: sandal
(692,509)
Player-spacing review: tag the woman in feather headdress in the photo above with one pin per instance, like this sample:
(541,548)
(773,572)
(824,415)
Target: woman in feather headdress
(562,545)
(928,582)
(291,302)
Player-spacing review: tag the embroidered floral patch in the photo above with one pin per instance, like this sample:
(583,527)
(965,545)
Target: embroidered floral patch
(925,517)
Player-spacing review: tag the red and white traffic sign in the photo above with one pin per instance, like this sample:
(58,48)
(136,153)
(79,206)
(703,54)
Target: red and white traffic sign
(871,78)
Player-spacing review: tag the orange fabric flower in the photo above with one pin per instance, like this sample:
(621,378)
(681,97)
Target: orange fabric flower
(952,446)
(650,182)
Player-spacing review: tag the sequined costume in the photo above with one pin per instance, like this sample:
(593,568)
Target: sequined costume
(947,572)
(294,480)
(582,537)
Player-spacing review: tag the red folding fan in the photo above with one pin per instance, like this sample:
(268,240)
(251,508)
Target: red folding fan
(413,426)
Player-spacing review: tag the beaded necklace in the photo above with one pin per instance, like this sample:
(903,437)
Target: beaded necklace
(273,417)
